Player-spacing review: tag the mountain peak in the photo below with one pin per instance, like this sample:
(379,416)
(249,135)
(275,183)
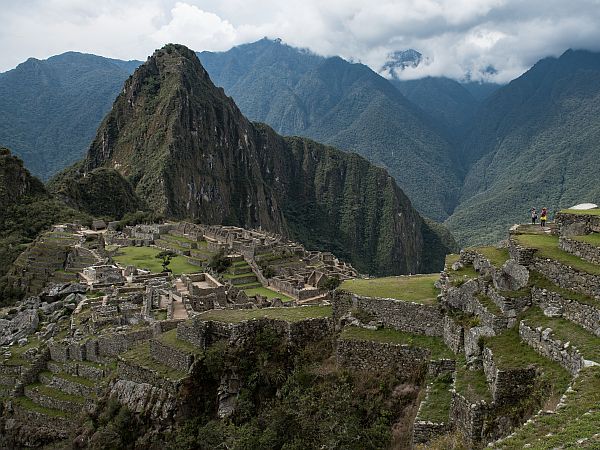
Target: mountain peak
(401,60)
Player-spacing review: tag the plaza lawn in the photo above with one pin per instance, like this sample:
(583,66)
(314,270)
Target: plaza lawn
(266,292)
(415,288)
(145,258)
(288,314)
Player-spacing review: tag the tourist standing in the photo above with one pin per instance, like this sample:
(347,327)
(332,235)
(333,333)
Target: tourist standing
(533,216)
(543,217)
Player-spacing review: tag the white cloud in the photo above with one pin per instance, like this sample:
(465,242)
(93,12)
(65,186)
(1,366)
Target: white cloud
(457,36)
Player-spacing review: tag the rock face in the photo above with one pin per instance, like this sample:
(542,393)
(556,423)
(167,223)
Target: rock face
(189,153)
(512,277)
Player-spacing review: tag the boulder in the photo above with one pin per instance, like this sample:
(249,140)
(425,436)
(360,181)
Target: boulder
(73,288)
(457,265)
(512,277)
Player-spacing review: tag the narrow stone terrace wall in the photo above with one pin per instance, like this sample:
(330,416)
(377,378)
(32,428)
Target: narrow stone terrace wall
(369,355)
(170,356)
(453,335)
(468,418)
(584,315)
(400,315)
(543,342)
(567,277)
(583,250)
(508,386)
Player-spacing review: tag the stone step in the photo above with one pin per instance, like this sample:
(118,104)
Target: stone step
(52,398)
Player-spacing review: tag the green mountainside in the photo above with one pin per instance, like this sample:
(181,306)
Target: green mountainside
(447,101)
(534,143)
(27,208)
(343,104)
(188,151)
(49,110)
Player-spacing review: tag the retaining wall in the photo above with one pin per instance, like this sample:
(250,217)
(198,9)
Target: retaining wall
(583,250)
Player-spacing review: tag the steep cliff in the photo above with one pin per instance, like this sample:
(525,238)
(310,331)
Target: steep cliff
(189,152)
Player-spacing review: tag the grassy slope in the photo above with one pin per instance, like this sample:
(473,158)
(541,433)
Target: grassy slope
(416,288)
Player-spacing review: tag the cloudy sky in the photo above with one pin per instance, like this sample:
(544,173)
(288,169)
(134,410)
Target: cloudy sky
(458,36)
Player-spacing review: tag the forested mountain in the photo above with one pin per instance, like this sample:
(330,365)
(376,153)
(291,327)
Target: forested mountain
(50,109)
(446,101)
(26,209)
(188,152)
(535,142)
(343,104)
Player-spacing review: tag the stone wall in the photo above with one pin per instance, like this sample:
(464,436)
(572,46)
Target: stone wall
(508,386)
(453,335)
(464,298)
(546,344)
(510,306)
(468,418)
(132,372)
(170,356)
(586,316)
(583,250)
(158,403)
(437,367)
(567,277)
(397,314)
(523,255)
(581,223)
(370,355)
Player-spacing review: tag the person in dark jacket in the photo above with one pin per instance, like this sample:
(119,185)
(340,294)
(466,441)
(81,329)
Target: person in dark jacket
(534,215)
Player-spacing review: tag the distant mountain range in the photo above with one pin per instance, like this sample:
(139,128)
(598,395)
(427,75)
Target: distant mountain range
(459,150)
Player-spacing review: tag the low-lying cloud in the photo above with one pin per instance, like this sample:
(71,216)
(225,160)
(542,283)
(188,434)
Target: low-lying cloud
(459,38)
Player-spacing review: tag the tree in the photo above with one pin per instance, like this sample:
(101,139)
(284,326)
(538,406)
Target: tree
(219,262)
(166,257)
(332,283)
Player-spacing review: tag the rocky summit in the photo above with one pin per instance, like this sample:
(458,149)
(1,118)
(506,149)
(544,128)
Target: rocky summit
(188,152)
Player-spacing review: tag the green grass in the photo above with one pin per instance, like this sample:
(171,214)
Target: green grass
(592,239)
(170,338)
(471,383)
(177,238)
(231,276)
(288,314)
(538,280)
(547,246)
(451,259)
(569,424)
(145,258)
(587,343)
(28,404)
(457,277)
(436,407)
(582,212)
(416,288)
(489,304)
(496,256)
(436,345)
(266,292)
(160,314)
(73,378)
(58,394)
(140,356)
(16,358)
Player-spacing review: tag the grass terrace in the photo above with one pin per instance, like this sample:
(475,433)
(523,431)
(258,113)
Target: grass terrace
(471,383)
(29,405)
(462,275)
(17,352)
(436,407)
(496,256)
(140,356)
(587,343)
(295,314)
(415,288)
(145,258)
(170,338)
(538,280)
(436,345)
(58,394)
(178,238)
(547,246)
(571,425)
(489,304)
(269,293)
(582,212)
(451,259)
(511,352)
(592,239)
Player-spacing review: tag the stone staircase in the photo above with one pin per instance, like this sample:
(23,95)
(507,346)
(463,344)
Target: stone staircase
(241,275)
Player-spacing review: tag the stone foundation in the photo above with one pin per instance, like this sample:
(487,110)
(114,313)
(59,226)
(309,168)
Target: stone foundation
(370,355)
